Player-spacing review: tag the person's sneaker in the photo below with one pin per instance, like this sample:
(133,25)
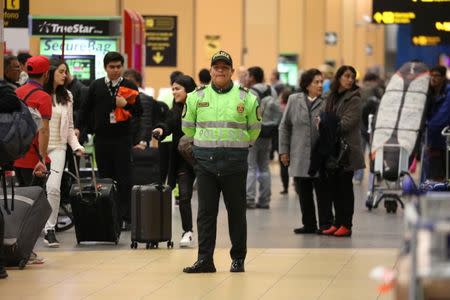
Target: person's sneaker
(343,232)
(186,239)
(284,192)
(3,273)
(50,239)
(201,266)
(35,259)
(330,231)
(251,205)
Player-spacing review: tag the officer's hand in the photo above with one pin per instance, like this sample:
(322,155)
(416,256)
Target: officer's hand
(284,159)
(120,101)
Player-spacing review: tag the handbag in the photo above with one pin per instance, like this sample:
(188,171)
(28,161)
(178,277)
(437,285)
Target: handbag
(336,162)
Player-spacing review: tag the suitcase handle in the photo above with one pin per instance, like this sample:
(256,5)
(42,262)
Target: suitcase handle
(89,157)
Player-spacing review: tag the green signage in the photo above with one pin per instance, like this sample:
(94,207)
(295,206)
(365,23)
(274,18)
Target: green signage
(96,47)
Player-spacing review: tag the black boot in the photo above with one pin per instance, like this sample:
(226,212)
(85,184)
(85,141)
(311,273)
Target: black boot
(201,266)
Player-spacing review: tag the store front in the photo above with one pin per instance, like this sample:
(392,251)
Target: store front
(85,41)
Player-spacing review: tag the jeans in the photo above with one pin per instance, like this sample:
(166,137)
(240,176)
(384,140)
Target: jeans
(58,158)
(258,169)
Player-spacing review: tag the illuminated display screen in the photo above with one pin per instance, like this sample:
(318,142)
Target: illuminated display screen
(393,12)
(288,69)
(82,67)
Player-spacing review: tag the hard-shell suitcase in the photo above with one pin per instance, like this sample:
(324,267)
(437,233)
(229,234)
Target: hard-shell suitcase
(145,166)
(25,212)
(151,215)
(94,205)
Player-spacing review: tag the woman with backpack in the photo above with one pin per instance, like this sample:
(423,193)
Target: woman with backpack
(180,169)
(61,133)
(298,135)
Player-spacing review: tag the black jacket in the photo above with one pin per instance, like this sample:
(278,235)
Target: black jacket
(153,112)
(172,125)
(99,104)
(327,145)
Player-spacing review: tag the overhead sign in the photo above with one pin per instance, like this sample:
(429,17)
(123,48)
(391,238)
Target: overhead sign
(16,13)
(161,41)
(393,12)
(212,45)
(432,26)
(72,26)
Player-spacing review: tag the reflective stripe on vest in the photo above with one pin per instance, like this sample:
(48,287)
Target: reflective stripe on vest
(221,124)
(254,126)
(189,124)
(221,144)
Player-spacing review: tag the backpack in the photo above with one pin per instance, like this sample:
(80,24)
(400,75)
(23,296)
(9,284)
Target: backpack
(17,131)
(271,112)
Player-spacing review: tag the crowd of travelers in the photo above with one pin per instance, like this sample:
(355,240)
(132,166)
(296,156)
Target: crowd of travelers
(300,124)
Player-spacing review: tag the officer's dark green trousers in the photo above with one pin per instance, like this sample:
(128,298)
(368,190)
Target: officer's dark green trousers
(232,186)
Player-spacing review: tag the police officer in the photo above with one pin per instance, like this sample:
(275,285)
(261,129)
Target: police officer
(224,121)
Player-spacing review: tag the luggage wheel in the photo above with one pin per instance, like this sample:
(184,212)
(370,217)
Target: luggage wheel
(169,244)
(153,245)
(134,245)
(369,202)
(391,206)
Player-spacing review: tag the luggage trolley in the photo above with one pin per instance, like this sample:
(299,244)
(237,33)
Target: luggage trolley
(399,120)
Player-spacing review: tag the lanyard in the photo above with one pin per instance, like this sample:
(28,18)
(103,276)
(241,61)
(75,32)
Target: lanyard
(114,90)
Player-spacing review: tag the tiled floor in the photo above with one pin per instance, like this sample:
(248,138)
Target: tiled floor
(270,274)
(279,265)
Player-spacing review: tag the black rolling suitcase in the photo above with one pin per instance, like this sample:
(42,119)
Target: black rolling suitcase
(94,205)
(25,211)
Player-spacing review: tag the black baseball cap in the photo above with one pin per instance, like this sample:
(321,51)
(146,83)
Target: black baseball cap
(223,56)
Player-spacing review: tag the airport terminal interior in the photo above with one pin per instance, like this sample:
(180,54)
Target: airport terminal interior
(398,250)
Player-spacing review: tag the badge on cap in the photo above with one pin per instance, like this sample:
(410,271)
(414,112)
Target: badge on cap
(240,108)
